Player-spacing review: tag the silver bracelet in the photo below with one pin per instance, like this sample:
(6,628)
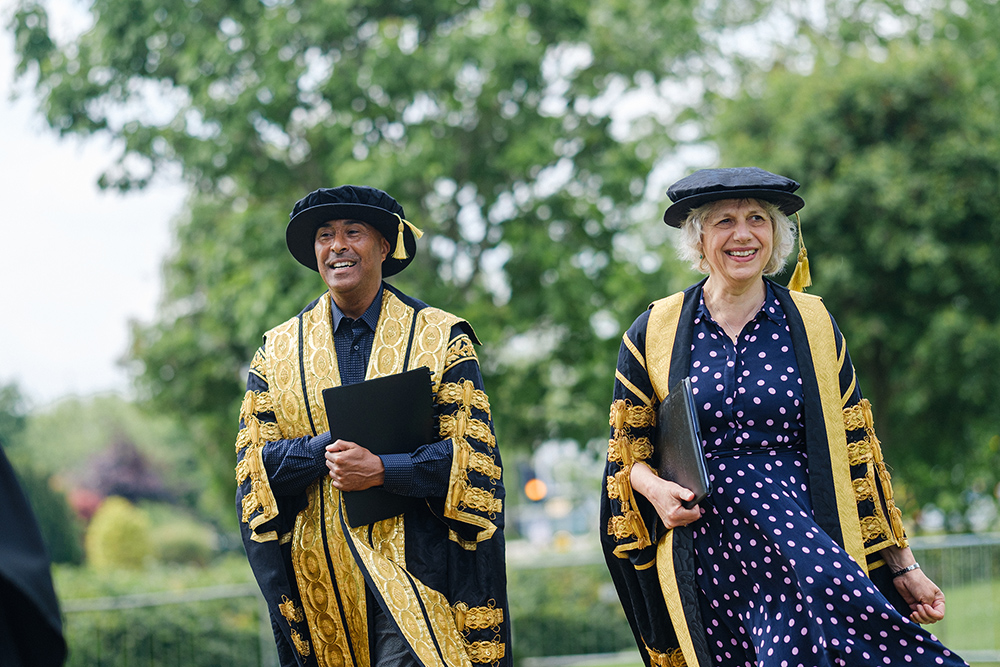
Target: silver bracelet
(909,568)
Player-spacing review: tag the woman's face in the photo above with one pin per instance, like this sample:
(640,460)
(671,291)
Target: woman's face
(737,240)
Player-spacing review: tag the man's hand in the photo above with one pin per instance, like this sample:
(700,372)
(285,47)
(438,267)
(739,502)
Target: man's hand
(352,467)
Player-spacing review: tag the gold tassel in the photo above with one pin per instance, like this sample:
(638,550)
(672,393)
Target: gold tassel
(400,251)
(801,279)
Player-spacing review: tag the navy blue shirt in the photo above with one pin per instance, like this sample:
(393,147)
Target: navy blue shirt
(305,458)
(353,339)
(748,393)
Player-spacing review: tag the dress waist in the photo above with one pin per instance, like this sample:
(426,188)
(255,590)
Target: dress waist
(750,450)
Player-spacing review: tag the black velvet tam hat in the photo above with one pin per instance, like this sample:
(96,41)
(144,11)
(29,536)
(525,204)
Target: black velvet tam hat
(352,202)
(708,185)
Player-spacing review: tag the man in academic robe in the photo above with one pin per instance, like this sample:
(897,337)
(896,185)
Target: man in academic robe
(425,587)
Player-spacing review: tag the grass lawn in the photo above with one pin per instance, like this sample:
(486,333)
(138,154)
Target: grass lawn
(972,624)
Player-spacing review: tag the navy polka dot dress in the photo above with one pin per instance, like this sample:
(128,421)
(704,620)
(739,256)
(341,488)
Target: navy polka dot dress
(776,590)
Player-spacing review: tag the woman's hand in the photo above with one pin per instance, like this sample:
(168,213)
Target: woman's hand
(665,496)
(924,597)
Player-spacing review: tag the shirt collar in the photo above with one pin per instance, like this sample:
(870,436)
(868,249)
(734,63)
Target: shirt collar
(771,309)
(370,316)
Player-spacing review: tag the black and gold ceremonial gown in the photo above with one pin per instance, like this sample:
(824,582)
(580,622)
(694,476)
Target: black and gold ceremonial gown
(849,486)
(437,570)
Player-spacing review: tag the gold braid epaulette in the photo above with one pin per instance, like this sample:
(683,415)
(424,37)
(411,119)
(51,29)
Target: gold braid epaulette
(672,658)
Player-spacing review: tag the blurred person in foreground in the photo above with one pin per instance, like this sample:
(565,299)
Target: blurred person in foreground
(427,587)
(30,625)
(798,556)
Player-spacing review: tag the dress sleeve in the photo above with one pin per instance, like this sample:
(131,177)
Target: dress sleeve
(472,498)
(267,464)
(632,520)
(881,520)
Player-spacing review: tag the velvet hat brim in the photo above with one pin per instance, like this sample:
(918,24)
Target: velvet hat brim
(347,202)
(708,185)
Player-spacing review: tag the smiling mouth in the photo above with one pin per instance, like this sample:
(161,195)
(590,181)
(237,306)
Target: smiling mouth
(343,264)
(741,253)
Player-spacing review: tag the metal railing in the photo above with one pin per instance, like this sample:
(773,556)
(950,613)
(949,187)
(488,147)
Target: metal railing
(105,632)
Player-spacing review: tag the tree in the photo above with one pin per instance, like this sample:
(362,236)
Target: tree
(521,135)
(899,159)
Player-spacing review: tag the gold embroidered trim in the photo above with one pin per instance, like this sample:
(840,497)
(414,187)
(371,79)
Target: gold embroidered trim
(286,538)
(863,489)
(463,393)
(460,425)
(635,416)
(251,438)
(468,545)
(859,452)
(872,528)
(614,493)
(291,611)
(627,342)
(301,645)
(628,525)
(478,499)
(484,464)
(672,658)
(859,416)
(264,537)
(635,449)
(460,349)
(868,450)
(645,566)
(486,652)
(477,618)
(628,384)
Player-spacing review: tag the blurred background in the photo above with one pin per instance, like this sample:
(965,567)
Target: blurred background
(151,152)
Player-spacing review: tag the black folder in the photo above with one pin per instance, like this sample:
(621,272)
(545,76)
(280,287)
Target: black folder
(678,454)
(387,415)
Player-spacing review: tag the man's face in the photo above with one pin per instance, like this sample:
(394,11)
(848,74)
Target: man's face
(349,255)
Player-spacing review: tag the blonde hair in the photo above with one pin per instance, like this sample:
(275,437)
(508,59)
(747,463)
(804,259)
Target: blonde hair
(689,247)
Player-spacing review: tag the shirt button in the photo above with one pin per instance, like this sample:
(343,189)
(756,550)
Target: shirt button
(357,347)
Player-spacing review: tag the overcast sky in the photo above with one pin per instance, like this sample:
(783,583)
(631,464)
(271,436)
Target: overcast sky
(76,263)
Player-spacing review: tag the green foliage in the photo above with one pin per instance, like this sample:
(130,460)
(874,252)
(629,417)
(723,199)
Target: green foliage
(521,137)
(180,538)
(210,633)
(118,536)
(86,428)
(12,415)
(60,528)
(566,611)
(899,162)
(58,525)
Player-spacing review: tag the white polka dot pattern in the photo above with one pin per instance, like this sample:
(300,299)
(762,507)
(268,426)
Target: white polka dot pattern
(775,589)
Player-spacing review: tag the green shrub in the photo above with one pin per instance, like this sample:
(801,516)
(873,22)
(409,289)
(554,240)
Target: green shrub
(118,536)
(59,526)
(566,611)
(184,541)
